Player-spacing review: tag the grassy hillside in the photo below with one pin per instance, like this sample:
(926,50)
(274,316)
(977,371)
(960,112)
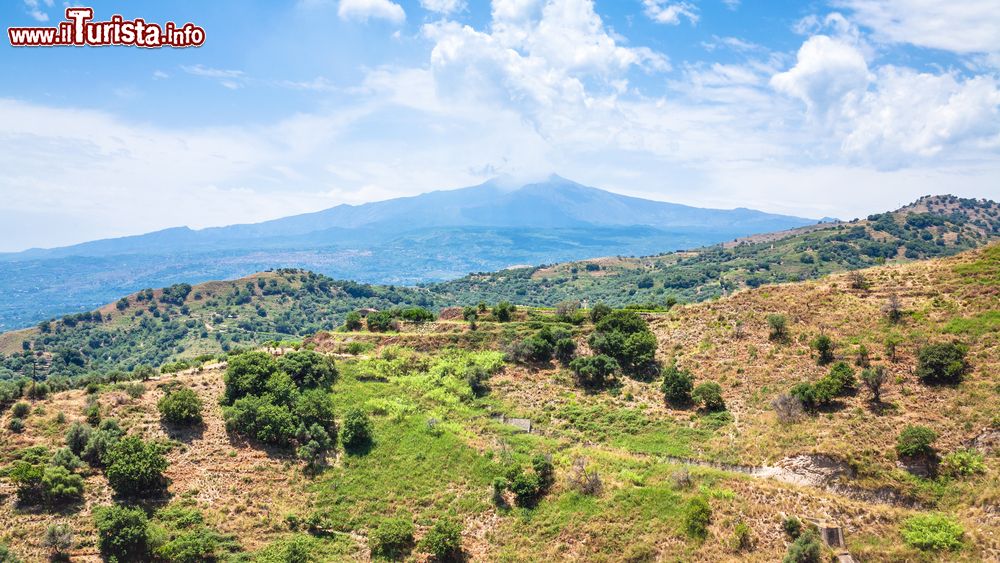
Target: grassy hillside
(153,327)
(439,445)
(931,227)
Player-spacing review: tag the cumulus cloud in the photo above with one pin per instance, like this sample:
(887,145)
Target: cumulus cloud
(364,10)
(662,11)
(827,73)
(35,9)
(962,26)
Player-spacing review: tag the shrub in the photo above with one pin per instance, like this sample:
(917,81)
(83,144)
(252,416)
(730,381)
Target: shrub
(807,548)
(933,532)
(315,407)
(531,350)
(380,321)
(527,487)
(100,441)
(874,379)
(677,385)
(583,481)
(123,533)
(92,412)
(6,556)
(308,368)
(709,395)
(357,430)
(843,375)
(963,463)
(742,537)
(135,467)
(352,321)
(64,457)
(503,312)
(182,406)
(444,540)
(59,485)
(915,440)
(824,347)
(787,408)
(565,350)
(261,419)
(193,546)
(792,527)
(697,517)
(392,539)
(20,409)
(599,311)
(15,425)
(247,374)
(593,372)
(625,336)
(58,538)
(942,363)
(778,326)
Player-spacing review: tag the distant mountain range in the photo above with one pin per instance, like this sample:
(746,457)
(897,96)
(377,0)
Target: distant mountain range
(430,237)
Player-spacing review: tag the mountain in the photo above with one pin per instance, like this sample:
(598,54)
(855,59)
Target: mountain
(214,317)
(430,237)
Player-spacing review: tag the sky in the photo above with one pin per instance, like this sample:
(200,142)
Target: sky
(819,108)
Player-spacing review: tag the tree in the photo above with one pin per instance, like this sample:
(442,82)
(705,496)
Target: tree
(503,312)
(677,385)
(247,374)
(893,309)
(843,376)
(61,486)
(122,532)
(892,342)
(308,368)
(181,406)
(135,467)
(261,419)
(58,538)
(565,350)
(356,433)
(380,321)
(874,379)
(599,311)
(593,372)
(779,327)
(824,346)
(444,540)
(353,321)
(915,441)
(709,395)
(942,363)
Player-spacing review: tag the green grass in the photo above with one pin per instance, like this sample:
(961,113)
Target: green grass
(984,323)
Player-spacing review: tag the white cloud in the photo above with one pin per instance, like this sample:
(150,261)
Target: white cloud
(962,26)
(443,6)
(826,72)
(35,10)
(232,79)
(663,11)
(363,10)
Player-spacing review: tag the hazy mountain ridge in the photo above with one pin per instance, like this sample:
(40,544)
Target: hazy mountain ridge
(426,238)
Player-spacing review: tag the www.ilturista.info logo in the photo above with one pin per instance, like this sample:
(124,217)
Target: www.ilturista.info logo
(78,30)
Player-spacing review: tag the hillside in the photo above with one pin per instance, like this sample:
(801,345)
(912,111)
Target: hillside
(931,227)
(440,442)
(431,237)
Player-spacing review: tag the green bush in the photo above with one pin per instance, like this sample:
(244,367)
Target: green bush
(933,532)
(807,548)
(392,539)
(20,409)
(7,556)
(64,457)
(565,350)
(61,486)
(599,311)
(792,527)
(843,375)
(135,467)
(181,406)
(261,419)
(915,440)
(709,395)
(697,517)
(625,336)
(356,433)
(15,425)
(677,385)
(527,488)
(824,347)
(247,374)
(963,463)
(942,363)
(123,533)
(58,538)
(380,321)
(309,369)
(353,321)
(100,441)
(444,540)
(742,537)
(779,327)
(593,372)
(531,350)
(503,312)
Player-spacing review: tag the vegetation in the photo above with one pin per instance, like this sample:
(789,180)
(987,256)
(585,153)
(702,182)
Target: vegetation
(123,533)
(933,532)
(942,363)
(915,440)
(180,406)
(135,467)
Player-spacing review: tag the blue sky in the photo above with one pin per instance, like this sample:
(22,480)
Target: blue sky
(824,108)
